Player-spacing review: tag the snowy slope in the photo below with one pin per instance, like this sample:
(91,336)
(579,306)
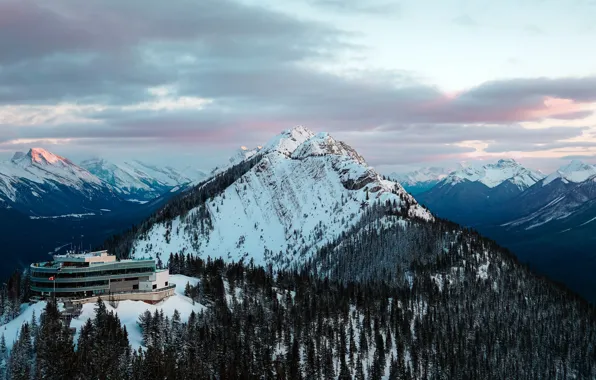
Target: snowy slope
(141,181)
(576,171)
(561,198)
(493,175)
(304,192)
(130,311)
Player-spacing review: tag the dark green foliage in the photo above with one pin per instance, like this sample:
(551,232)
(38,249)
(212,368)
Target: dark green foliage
(54,346)
(103,351)
(12,293)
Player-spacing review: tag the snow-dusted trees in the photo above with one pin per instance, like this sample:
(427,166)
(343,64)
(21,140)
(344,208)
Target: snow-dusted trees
(54,347)
(21,364)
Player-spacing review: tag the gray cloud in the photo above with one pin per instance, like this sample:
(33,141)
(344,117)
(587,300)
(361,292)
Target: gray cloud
(112,49)
(358,6)
(579,157)
(531,90)
(464,20)
(531,146)
(259,68)
(533,29)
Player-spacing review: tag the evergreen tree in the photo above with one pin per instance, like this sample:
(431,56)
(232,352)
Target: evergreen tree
(54,346)
(3,358)
(21,363)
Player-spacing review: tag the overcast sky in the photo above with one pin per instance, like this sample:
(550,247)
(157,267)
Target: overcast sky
(408,83)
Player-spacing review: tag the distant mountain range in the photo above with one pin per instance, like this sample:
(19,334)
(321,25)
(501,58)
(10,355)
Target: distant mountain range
(469,193)
(47,202)
(421,180)
(547,220)
(135,180)
(302,235)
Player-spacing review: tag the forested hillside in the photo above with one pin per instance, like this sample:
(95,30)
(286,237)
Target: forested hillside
(365,284)
(298,326)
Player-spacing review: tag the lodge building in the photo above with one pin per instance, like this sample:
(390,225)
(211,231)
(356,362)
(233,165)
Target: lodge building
(82,277)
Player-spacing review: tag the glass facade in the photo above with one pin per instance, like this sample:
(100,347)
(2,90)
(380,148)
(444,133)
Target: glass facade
(86,279)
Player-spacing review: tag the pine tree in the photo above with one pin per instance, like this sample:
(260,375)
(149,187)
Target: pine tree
(3,358)
(54,346)
(21,362)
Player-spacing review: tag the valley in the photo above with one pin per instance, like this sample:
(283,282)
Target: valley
(543,219)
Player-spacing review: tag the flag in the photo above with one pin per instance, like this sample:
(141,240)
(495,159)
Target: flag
(51,278)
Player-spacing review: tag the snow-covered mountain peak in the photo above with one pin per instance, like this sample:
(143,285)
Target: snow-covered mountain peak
(576,171)
(139,180)
(421,180)
(39,156)
(323,144)
(507,162)
(494,174)
(574,166)
(287,141)
(243,153)
(42,156)
(301,192)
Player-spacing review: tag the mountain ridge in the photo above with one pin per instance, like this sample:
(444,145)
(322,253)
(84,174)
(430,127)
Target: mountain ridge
(300,191)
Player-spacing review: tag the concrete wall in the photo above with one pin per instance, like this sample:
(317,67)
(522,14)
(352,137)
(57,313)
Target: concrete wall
(122,286)
(104,258)
(149,297)
(162,278)
(157,280)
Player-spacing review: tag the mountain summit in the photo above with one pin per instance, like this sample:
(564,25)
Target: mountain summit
(576,171)
(421,180)
(280,206)
(40,182)
(494,174)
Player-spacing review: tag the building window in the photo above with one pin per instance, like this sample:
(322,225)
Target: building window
(166,283)
(154,286)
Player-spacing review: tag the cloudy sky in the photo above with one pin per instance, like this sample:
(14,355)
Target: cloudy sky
(408,83)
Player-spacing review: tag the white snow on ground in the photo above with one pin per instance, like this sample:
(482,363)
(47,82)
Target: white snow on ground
(137,201)
(11,329)
(65,216)
(129,311)
(483,271)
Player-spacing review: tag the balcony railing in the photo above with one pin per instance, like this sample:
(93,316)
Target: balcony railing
(144,291)
(95,267)
(70,290)
(62,280)
(105,295)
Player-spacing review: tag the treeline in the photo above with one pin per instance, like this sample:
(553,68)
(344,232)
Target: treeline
(45,349)
(13,293)
(296,326)
(293,325)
